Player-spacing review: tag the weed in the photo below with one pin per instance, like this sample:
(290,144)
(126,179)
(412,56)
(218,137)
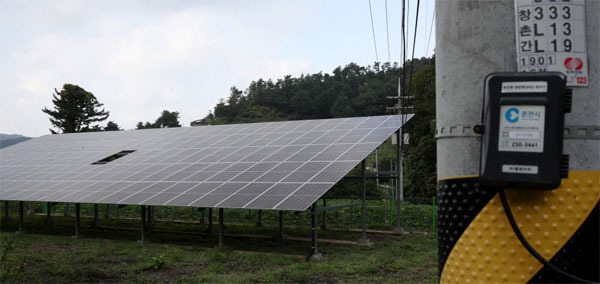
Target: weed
(156,262)
(9,270)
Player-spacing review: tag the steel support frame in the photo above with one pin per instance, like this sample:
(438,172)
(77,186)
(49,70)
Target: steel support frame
(6,214)
(48,219)
(107,213)
(77,221)
(313,253)
(202,215)
(259,222)
(363,238)
(149,218)
(21,219)
(281,234)
(96,222)
(143,238)
(324,223)
(220,245)
(210,229)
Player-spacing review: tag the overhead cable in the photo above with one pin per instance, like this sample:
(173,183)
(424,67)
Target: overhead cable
(430,32)
(413,49)
(373,30)
(387,31)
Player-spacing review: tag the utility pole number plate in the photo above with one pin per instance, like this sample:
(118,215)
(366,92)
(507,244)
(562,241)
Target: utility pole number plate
(551,36)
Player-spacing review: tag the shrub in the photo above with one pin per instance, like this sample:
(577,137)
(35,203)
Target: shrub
(156,262)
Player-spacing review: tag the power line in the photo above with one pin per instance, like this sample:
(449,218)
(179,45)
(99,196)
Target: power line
(403,49)
(430,32)
(387,31)
(426,13)
(373,30)
(407,23)
(412,60)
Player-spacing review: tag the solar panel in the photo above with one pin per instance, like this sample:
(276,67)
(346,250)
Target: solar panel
(274,165)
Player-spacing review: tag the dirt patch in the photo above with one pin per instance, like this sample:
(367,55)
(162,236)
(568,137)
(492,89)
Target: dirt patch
(96,275)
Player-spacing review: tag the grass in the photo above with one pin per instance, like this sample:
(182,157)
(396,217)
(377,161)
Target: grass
(49,255)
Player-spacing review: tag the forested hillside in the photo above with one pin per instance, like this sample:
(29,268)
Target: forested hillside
(351,90)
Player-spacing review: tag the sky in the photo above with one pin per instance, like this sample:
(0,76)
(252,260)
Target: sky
(142,57)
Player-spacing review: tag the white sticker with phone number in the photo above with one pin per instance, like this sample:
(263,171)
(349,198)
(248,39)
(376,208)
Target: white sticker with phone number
(522,128)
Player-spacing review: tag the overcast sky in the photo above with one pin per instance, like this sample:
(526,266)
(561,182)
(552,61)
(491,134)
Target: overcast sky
(141,57)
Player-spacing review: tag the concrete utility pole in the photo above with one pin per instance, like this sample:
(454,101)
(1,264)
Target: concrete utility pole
(476,243)
(400,186)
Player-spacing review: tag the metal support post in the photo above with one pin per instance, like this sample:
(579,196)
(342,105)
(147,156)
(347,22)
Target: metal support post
(77,221)
(259,222)
(48,219)
(314,253)
(377,168)
(210,221)
(434,212)
(391,213)
(150,218)
(96,222)
(6,215)
(67,209)
(363,238)
(399,186)
(107,213)
(324,224)
(220,229)
(143,235)
(202,213)
(393,187)
(351,210)
(21,221)
(281,235)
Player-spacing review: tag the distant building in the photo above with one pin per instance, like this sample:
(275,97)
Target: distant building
(199,122)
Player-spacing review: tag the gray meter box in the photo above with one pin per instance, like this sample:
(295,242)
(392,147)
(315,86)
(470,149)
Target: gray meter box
(523,121)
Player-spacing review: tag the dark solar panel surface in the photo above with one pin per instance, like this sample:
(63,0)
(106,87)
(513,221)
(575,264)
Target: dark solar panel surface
(274,165)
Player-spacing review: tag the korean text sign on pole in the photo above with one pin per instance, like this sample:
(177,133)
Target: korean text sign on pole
(551,36)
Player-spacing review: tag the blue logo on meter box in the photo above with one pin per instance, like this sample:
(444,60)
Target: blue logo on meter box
(512,115)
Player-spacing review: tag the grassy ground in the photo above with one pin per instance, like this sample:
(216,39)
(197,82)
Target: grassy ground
(47,254)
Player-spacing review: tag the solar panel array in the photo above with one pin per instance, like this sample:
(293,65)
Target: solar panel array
(275,165)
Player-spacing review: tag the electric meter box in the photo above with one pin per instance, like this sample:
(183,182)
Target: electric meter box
(523,121)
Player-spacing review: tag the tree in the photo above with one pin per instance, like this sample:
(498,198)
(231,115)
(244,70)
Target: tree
(342,107)
(420,154)
(141,125)
(166,119)
(94,128)
(74,110)
(112,126)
